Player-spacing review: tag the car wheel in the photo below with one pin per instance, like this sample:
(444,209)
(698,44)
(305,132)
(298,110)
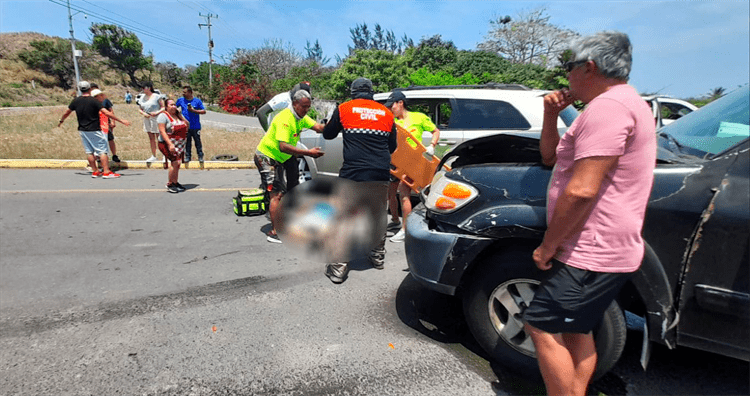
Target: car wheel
(304,171)
(494,303)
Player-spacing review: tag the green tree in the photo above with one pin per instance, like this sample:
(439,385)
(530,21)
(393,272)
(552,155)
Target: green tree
(434,54)
(54,57)
(312,72)
(422,77)
(480,63)
(122,47)
(386,70)
(200,83)
(380,39)
(315,54)
(171,74)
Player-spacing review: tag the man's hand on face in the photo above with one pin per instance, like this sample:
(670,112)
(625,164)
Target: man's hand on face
(555,102)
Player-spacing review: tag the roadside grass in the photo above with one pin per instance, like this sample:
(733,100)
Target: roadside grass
(34,135)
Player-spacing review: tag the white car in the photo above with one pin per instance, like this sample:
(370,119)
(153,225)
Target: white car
(667,110)
(460,112)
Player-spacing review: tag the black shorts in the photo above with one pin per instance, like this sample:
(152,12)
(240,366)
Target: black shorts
(572,300)
(110,135)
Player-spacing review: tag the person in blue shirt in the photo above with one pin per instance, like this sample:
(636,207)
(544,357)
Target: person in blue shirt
(192,108)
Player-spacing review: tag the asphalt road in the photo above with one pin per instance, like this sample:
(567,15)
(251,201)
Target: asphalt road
(231,122)
(117,287)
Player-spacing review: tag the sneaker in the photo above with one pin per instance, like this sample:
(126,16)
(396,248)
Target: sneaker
(377,259)
(115,158)
(110,175)
(399,237)
(96,174)
(172,189)
(179,187)
(393,226)
(152,159)
(273,238)
(337,272)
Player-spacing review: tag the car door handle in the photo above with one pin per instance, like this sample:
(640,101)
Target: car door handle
(446,142)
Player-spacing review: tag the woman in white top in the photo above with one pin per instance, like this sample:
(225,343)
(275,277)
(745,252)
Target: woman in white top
(173,129)
(150,105)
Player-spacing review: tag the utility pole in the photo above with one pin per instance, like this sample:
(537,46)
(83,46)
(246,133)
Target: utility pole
(75,52)
(210,45)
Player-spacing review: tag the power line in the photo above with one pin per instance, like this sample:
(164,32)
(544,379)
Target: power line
(181,45)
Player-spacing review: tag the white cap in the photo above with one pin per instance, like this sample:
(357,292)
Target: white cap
(95,92)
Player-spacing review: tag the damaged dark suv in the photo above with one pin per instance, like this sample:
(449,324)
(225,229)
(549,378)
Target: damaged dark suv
(473,234)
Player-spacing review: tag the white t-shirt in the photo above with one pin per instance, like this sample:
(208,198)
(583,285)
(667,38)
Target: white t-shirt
(151,104)
(278,103)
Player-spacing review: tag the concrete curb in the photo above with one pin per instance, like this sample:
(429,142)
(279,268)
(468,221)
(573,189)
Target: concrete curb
(81,164)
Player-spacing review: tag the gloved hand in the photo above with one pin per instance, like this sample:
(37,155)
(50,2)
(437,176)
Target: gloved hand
(431,150)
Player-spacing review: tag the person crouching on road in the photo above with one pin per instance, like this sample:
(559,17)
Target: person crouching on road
(415,123)
(87,110)
(369,135)
(279,145)
(600,186)
(173,129)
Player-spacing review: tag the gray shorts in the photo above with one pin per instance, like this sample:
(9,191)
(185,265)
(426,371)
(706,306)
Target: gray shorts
(94,142)
(573,300)
(271,173)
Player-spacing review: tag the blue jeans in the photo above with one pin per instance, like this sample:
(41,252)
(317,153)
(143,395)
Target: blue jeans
(193,134)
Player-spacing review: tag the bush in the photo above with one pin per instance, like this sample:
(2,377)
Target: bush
(238,98)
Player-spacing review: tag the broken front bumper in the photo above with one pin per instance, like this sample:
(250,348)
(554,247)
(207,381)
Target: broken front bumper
(437,259)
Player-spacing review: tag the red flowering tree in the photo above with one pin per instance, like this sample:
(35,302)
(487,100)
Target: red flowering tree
(238,98)
(240,90)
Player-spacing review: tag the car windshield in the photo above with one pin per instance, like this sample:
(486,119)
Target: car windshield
(714,128)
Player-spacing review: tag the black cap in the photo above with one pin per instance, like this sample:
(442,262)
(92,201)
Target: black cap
(396,96)
(298,87)
(361,88)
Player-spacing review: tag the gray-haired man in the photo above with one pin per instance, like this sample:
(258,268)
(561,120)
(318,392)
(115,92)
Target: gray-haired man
(279,145)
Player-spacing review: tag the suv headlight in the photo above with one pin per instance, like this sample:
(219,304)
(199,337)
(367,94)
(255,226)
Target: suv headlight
(448,195)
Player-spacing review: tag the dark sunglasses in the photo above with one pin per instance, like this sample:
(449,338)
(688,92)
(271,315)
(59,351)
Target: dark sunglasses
(569,66)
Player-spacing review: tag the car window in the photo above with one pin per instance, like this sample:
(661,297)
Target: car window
(716,126)
(487,114)
(439,110)
(673,111)
(444,115)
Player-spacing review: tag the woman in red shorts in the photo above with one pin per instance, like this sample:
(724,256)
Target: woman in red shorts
(172,134)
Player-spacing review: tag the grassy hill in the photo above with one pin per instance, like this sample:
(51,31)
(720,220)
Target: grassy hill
(21,86)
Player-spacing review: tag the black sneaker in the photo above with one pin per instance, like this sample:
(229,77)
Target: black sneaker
(273,238)
(172,189)
(115,158)
(179,187)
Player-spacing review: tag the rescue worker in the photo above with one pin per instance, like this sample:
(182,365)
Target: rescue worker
(266,114)
(369,134)
(279,145)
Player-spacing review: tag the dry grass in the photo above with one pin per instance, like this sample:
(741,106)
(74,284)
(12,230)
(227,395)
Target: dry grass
(34,136)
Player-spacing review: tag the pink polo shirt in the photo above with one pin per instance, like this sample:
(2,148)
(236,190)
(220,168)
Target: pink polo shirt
(616,123)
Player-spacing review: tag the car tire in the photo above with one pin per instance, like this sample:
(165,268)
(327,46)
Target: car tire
(493,304)
(224,157)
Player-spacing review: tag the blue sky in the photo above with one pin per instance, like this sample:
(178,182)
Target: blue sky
(681,48)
